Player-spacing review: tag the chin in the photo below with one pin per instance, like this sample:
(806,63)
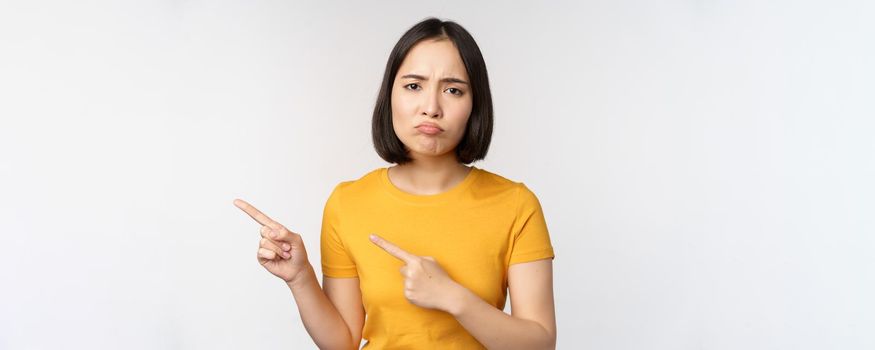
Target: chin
(430,153)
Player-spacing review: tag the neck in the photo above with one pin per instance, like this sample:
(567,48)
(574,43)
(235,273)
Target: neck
(429,175)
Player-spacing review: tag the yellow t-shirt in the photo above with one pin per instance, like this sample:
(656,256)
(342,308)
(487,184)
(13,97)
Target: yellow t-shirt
(474,231)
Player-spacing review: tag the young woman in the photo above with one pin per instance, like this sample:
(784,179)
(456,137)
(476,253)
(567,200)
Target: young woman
(428,248)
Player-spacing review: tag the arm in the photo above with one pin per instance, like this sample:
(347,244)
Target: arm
(282,252)
(533,321)
(346,295)
(330,317)
(533,324)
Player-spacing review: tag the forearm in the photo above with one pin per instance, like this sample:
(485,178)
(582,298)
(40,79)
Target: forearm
(495,329)
(321,319)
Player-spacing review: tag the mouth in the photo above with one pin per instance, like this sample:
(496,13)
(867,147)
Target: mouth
(429,129)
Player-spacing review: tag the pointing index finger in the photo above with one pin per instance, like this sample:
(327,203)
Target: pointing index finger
(255,214)
(392,249)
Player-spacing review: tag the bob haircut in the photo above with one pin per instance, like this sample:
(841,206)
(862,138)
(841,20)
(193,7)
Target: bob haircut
(478,131)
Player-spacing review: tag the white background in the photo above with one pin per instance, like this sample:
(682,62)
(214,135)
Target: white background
(705,167)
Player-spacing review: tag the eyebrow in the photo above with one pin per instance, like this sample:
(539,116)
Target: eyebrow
(445,80)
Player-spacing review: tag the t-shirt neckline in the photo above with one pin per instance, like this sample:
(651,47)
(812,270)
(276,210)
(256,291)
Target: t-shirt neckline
(453,192)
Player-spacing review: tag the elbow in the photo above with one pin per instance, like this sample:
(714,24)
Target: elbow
(549,339)
(355,339)
(355,343)
(351,345)
(551,343)
(546,339)
(352,342)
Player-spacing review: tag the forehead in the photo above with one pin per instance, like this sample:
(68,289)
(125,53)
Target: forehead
(434,57)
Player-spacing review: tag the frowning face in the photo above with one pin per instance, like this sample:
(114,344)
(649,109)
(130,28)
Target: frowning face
(431,99)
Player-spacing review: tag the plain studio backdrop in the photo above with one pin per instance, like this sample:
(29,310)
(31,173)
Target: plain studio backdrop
(705,167)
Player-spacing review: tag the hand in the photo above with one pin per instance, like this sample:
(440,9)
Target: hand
(280,251)
(426,284)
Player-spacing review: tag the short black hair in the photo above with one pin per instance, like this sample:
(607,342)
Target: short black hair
(478,132)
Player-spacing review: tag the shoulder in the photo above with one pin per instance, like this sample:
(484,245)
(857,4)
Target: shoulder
(494,182)
(523,198)
(357,187)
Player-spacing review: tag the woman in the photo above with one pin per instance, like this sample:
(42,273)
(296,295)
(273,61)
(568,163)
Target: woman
(460,236)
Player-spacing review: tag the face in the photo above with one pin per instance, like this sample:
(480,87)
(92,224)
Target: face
(431,99)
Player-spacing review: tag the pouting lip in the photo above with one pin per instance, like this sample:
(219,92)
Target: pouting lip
(430,124)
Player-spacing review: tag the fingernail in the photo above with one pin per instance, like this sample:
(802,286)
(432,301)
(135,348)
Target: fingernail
(272,234)
(286,255)
(286,246)
(373,237)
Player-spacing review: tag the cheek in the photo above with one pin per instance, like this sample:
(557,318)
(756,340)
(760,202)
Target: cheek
(399,110)
(401,102)
(460,116)
(400,124)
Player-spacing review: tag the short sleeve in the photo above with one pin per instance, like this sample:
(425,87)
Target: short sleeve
(336,261)
(531,239)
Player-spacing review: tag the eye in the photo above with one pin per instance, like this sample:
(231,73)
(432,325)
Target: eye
(455,91)
(412,86)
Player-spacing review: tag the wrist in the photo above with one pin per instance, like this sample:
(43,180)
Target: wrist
(459,300)
(305,276)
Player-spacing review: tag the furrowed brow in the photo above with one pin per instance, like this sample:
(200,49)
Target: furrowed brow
(445,80)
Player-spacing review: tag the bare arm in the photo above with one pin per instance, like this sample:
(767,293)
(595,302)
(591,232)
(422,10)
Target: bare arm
(533,321)
(328,316)
(346,295)
(321,318)
(533,324)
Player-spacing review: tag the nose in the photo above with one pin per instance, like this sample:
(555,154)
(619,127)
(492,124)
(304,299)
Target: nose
(431,105)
